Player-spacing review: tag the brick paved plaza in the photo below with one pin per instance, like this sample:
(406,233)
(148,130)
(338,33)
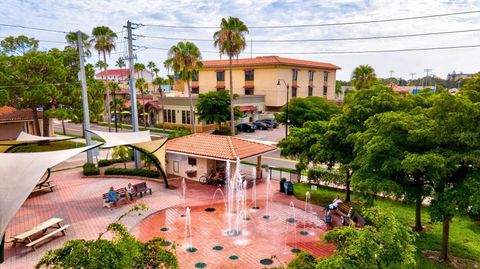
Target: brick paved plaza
(78,201)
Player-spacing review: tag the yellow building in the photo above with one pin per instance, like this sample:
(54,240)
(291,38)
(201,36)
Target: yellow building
(260,75)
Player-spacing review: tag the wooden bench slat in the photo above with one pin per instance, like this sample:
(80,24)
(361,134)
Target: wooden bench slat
(33,243)
(40,227)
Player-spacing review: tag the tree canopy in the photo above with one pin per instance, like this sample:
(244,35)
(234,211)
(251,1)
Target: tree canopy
(312,108)
(363,77)
(214,106)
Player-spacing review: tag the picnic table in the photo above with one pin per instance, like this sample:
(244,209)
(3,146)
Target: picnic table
(29,238)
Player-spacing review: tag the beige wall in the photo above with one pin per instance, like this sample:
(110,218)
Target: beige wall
(201,167)
(265,82)
(10,131)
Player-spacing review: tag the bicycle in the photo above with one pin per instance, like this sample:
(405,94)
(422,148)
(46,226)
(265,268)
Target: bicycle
(208,179)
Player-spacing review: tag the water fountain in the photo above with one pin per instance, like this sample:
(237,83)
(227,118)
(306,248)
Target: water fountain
(188,232)
(307,199)
(254,189)
(211,208)
(184,191)
(267,201)
(292,220)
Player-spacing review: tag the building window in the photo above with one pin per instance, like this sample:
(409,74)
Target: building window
(325,90)
(248,91)
(192,161)
(310,75)
(195,90)
(248,75)
(186,117)
(220,89)
(310,91)
(195,76)
(220,75)
(294,92)
(294,74)
(169,116)
(325,76)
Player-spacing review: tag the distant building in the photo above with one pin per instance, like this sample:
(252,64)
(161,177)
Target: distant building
(454,76)
(408,89)
(13,121)
(122,75)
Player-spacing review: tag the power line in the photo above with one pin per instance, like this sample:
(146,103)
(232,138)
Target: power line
(34,28)
(343,52)
(321,40)
(319,25)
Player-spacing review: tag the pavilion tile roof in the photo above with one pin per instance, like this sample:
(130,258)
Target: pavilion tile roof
(217,146)
(114,72)
(8,113)
(268,60)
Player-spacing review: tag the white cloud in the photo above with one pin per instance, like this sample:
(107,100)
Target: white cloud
(84,15)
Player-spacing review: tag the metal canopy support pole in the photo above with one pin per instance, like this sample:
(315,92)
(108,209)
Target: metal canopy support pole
(133,94)
(86,114)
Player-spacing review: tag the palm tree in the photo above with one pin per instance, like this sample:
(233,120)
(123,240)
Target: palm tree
(142,86)
(120,63)
(72,41)
(101,65)
(114,87)
(104,39)
(159,81)
(152,67)
(184,59)
(138,68)
(230,40)
(363,77)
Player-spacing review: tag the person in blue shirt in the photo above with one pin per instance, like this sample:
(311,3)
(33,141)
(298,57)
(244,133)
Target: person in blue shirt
(113,196)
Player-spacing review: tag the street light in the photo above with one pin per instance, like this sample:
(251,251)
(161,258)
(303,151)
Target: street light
(287,121)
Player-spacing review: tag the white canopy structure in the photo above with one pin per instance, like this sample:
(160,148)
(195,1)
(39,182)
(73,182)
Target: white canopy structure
(20,172)
(28,137)
(120,139)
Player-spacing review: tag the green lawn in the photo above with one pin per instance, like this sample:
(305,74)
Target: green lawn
(464,231)
(60,145)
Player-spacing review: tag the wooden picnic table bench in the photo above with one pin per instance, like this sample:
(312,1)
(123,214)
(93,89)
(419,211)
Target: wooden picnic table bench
(44,184)
(28,239)
(142,188)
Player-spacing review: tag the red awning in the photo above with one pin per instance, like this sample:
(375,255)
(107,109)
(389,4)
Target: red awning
(220,70)
(248,69)
(248,87)
(248,108)
(219,87)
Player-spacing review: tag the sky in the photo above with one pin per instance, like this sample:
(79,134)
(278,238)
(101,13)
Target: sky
(70,15)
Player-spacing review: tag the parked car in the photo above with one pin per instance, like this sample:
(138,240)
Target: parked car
(262,125)
(271,122)
(246,127)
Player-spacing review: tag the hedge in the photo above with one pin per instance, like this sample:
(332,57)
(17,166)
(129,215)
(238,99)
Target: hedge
(324,175)
(132,172)
(89,169)
(108,162)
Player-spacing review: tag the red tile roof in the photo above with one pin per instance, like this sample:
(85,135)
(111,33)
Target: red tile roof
(114,72)
(268,60)
(217,146)
(8,113)
(148,101)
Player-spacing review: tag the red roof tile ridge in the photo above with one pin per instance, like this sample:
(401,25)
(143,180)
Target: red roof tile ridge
(232,148)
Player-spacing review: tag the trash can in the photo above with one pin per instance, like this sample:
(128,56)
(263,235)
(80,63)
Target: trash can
(289,188)
(282,184)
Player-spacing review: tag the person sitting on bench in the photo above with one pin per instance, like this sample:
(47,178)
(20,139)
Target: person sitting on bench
(346,219)
(131,192)
(328,219)
(112,196)
(334,205)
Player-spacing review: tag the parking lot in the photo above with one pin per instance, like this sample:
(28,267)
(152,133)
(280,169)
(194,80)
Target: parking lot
(272,135)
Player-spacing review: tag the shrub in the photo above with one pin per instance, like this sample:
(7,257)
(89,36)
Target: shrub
(224,131)
(108,162)
(132,172)
(89,169)
(179,132)
(323,175)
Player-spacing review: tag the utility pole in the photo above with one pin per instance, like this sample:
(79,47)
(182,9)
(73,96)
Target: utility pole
(391,73)
(414,84)
(427,70)
(86,113)
(133,94)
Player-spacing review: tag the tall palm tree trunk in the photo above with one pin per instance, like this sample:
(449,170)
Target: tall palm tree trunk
(232,120)
(192,117)
(163,110)
(144,115)
(107,92)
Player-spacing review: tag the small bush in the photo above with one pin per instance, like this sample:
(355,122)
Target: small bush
(179,132)
(132,172)
(108,162)
(89,169)
(323,175)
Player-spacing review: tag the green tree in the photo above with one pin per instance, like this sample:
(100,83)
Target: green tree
(312,108)
(230,40)
(120,63)
(214,106)
(72,41)
(363,77)
(158,82)
(122,152)
(142,86)
(101,65)
(185,59)
(471,88)
(18,46)
(104,39)
(139,68)
(384,243)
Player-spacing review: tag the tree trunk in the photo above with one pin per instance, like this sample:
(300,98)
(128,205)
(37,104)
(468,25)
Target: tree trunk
(232,114)
(192,117)
(418,213)
(46,125)
(347,185)
(163,111)
(36,123)
(107,92)
(144,116)
(63,127)
(445,236)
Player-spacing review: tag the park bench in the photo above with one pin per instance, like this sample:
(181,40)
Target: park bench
(28,237)
(121,194)
(356,218)
(141,188)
